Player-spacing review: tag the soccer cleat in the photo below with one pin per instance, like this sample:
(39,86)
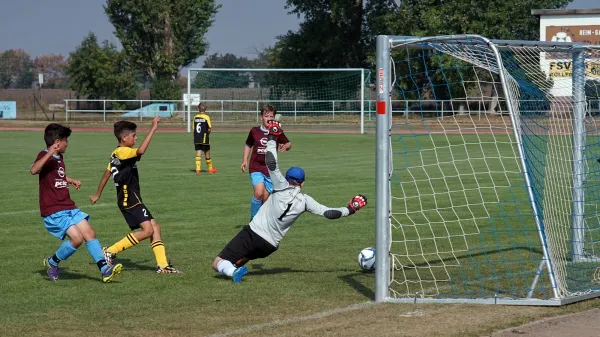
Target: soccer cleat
(238,274)
(168,270)
(197,171)
(111,272)
(108,256)
(213,170)
(52,270)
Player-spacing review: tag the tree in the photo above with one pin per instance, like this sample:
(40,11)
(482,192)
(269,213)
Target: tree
(341,33)
(162,36)
(100,71)
(54,69)
(495,19)
(224,79)
(16,69)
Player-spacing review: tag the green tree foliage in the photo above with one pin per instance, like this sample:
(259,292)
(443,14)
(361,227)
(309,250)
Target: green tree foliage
(162,36)
(100,71)
(224,79)
(16,69)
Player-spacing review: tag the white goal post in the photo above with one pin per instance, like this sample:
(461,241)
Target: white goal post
(303,97)
(493,208)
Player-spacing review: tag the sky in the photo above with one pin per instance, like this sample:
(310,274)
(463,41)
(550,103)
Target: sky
(57,26)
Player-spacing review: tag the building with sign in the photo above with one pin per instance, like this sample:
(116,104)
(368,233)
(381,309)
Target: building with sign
(568,25)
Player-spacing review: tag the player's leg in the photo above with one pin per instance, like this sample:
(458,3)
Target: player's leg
(268,189)
(258,186)
(59,224)
(160,253)
(235,251)
(207,156)
(198,159)
(95,250)
(136,218)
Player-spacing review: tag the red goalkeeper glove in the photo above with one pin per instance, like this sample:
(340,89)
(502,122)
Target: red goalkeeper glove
(357,203)
(274,128)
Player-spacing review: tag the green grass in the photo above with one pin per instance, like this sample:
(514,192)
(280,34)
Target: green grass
(314,269)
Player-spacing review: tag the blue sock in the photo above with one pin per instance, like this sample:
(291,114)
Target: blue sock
(65,251)
(254,207)
(95,250)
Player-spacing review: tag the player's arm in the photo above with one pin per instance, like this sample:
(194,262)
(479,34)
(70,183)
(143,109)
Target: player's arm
(76,183)
(209,124)
(37,165)
(247,149)
(279,181)
(354,205)
(284,143)
(142,149)
(103,181)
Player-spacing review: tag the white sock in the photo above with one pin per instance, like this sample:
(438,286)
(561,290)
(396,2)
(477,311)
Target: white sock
(226,268)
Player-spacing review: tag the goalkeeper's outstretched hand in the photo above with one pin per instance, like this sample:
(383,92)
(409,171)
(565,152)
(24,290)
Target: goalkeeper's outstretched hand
(274,128)
(358,202)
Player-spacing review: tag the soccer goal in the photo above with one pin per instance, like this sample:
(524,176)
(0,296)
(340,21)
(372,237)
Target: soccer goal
(304,97)
(488,172)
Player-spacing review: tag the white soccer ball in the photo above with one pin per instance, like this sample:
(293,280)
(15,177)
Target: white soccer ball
(366,259)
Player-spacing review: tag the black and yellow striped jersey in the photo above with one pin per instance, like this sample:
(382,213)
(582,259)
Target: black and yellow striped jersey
(123,167)
(202,127)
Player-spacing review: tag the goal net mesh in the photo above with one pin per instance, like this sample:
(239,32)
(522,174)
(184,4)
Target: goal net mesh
(463,202)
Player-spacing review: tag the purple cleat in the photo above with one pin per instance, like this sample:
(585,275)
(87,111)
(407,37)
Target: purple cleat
(52,269)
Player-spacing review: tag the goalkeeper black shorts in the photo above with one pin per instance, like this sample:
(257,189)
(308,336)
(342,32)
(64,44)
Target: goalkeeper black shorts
(247,244)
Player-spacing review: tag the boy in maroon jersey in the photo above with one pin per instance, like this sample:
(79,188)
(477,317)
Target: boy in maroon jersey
(60,214)
(257,144)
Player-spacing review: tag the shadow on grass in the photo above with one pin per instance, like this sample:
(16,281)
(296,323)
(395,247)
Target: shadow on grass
(353,280)
(128,264)
(65,274)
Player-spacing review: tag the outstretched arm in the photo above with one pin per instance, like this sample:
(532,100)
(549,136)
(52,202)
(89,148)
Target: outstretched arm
(103,181)
(142,149)
(278,179)
(354,205)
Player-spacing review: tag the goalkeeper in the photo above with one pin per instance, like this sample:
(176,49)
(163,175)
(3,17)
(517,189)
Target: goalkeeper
(262,236)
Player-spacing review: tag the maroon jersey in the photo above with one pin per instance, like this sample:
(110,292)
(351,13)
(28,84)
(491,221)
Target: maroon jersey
(54,189)
(257,140)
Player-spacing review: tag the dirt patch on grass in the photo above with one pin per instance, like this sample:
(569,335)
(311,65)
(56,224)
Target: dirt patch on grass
(425,320)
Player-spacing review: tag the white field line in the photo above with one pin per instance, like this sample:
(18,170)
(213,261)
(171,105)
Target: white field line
(28,211)
(294,320)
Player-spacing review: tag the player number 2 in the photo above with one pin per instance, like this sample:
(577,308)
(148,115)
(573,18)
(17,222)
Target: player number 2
(114,171)
(285,212)
(145,212)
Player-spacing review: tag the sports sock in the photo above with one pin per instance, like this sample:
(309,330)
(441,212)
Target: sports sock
(158,248)
(63,252)
(254,207)
(209,164)
(226,268)
(125,243)
(198,163)
(95,250)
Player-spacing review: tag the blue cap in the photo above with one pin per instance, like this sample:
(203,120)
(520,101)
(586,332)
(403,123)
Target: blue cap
(295,174)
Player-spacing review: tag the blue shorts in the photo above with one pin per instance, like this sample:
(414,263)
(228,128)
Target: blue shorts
(58,223)
(258,177)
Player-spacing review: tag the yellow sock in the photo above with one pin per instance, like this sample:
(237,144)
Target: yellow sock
(198,163)
(125,243)
(158,247)
(209,163)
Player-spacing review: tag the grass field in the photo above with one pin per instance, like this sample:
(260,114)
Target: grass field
(315,267)
(311,286)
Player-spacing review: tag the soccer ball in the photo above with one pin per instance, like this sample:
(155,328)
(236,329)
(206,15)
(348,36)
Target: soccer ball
(366,259)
